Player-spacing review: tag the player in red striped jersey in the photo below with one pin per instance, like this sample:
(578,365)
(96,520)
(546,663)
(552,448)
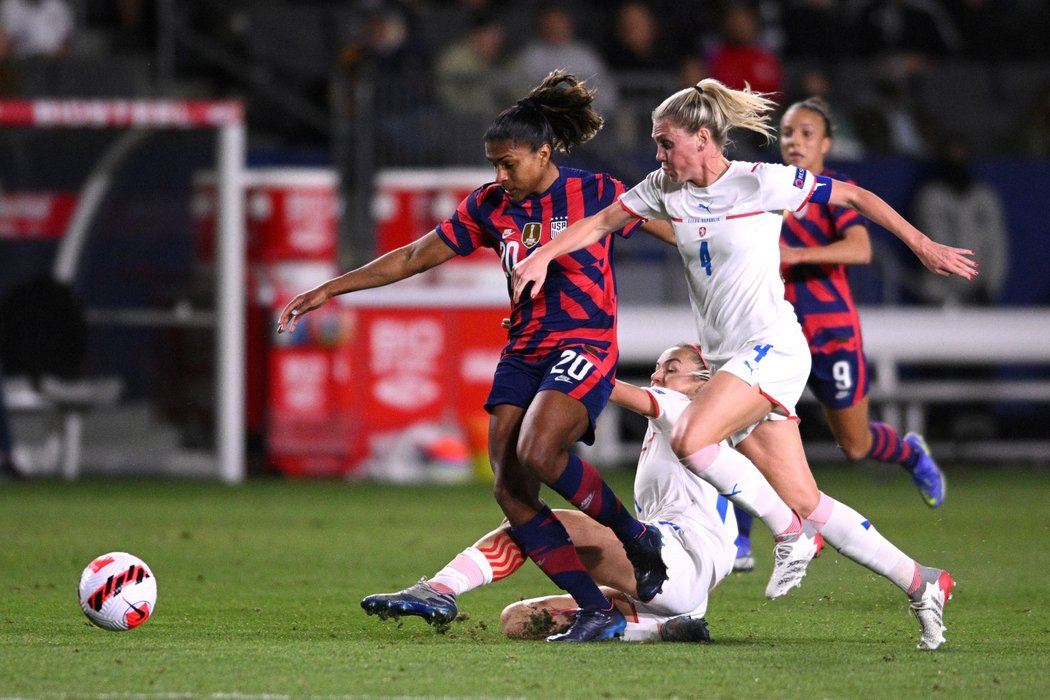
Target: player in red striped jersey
(817,243)
(556,372)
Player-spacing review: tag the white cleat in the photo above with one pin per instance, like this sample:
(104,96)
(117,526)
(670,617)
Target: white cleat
(927,603)
(791,557)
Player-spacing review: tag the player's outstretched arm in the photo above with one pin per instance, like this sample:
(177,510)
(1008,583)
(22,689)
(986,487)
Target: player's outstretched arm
(587,231)
(406,261)
(633,398)
(940,259)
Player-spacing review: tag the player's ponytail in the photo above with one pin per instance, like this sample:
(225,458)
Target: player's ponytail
(710,104)
(559,111)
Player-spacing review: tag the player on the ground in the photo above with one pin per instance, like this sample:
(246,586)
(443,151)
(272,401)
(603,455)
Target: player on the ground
(556,372)
(697,525)
(816,243)
(726,217)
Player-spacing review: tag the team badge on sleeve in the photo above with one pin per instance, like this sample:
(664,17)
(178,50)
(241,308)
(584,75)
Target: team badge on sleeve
(800,177)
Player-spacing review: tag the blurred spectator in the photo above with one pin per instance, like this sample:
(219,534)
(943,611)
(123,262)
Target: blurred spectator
(470,72)
(954,208)
(636,43)
(739,58)
(905,35)
(35,29)
(1033,134)
(815,82)
(556,46)
(889,123)
(814,29)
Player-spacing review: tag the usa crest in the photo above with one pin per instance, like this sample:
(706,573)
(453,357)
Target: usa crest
(557,226)
(530,234)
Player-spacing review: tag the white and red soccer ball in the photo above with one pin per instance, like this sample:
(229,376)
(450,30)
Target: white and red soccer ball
(118,591)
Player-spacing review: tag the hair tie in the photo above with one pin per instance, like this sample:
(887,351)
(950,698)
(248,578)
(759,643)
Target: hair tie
(699,353)
(698,89)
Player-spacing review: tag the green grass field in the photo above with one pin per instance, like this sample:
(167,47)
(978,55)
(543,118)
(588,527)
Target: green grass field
(259,590)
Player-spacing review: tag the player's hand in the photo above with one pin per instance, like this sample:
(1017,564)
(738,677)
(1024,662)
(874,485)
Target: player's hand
(789,256)
(300,305)
(945,260)
(530,271)
(505,323)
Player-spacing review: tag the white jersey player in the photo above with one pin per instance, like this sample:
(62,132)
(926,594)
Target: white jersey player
(729,243)
(698,529)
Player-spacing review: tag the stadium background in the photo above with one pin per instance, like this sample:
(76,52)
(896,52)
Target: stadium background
(318,94)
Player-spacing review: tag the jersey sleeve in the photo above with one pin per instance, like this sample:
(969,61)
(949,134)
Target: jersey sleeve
(645,200)
(464,231)
(785,186)
(618,191)
(671,405)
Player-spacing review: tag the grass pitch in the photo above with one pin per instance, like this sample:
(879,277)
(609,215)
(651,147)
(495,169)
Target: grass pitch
(259,590)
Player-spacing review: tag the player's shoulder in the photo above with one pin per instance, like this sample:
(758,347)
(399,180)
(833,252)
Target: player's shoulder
(665,395)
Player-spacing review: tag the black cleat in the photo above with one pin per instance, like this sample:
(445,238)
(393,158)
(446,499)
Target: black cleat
(650,572)
(685,628)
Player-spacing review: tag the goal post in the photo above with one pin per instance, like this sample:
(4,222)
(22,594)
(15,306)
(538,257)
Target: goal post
(227,118)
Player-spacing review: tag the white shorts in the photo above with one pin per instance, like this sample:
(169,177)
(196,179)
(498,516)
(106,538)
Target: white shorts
(780,367)
(697,561)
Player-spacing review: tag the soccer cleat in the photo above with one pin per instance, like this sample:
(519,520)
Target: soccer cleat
(928,477)
(745,560)
(420,600)
(650,572)
(593,625)
(791,556)
(685,628)
(927,603)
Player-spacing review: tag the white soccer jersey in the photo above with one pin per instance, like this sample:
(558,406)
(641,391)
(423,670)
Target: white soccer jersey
(664,490)
(729,238)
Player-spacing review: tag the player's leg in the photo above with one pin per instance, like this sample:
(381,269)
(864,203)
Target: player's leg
(725,406)
(563,412)
(548,616)
(776,448)
(840,383)
(745,558)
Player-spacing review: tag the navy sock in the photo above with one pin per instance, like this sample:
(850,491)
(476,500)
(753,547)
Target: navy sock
(581,485)
(546,541)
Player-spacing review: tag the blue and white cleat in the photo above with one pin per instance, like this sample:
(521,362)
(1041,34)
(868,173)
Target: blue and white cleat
(420,600)
(745,560)
(928,477)
(650,572)
(593,625)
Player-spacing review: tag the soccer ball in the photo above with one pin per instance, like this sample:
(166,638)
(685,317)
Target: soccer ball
(118,591)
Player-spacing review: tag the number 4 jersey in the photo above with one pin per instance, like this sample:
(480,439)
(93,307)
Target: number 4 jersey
(728,236)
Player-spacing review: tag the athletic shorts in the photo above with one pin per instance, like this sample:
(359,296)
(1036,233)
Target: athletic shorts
(696,562)
(840,377)
(574,371)
(779,366)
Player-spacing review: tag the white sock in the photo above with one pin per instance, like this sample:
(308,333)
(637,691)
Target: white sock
(854,536)
(469,570)
(739,480)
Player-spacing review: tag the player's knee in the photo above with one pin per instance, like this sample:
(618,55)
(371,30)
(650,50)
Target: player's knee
(854,452)
(539,456)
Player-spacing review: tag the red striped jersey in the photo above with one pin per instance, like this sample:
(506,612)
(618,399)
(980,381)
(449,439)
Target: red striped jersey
(578,303)
(820,293)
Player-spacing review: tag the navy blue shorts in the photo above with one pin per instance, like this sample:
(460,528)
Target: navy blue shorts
(572,370)
(839,379)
